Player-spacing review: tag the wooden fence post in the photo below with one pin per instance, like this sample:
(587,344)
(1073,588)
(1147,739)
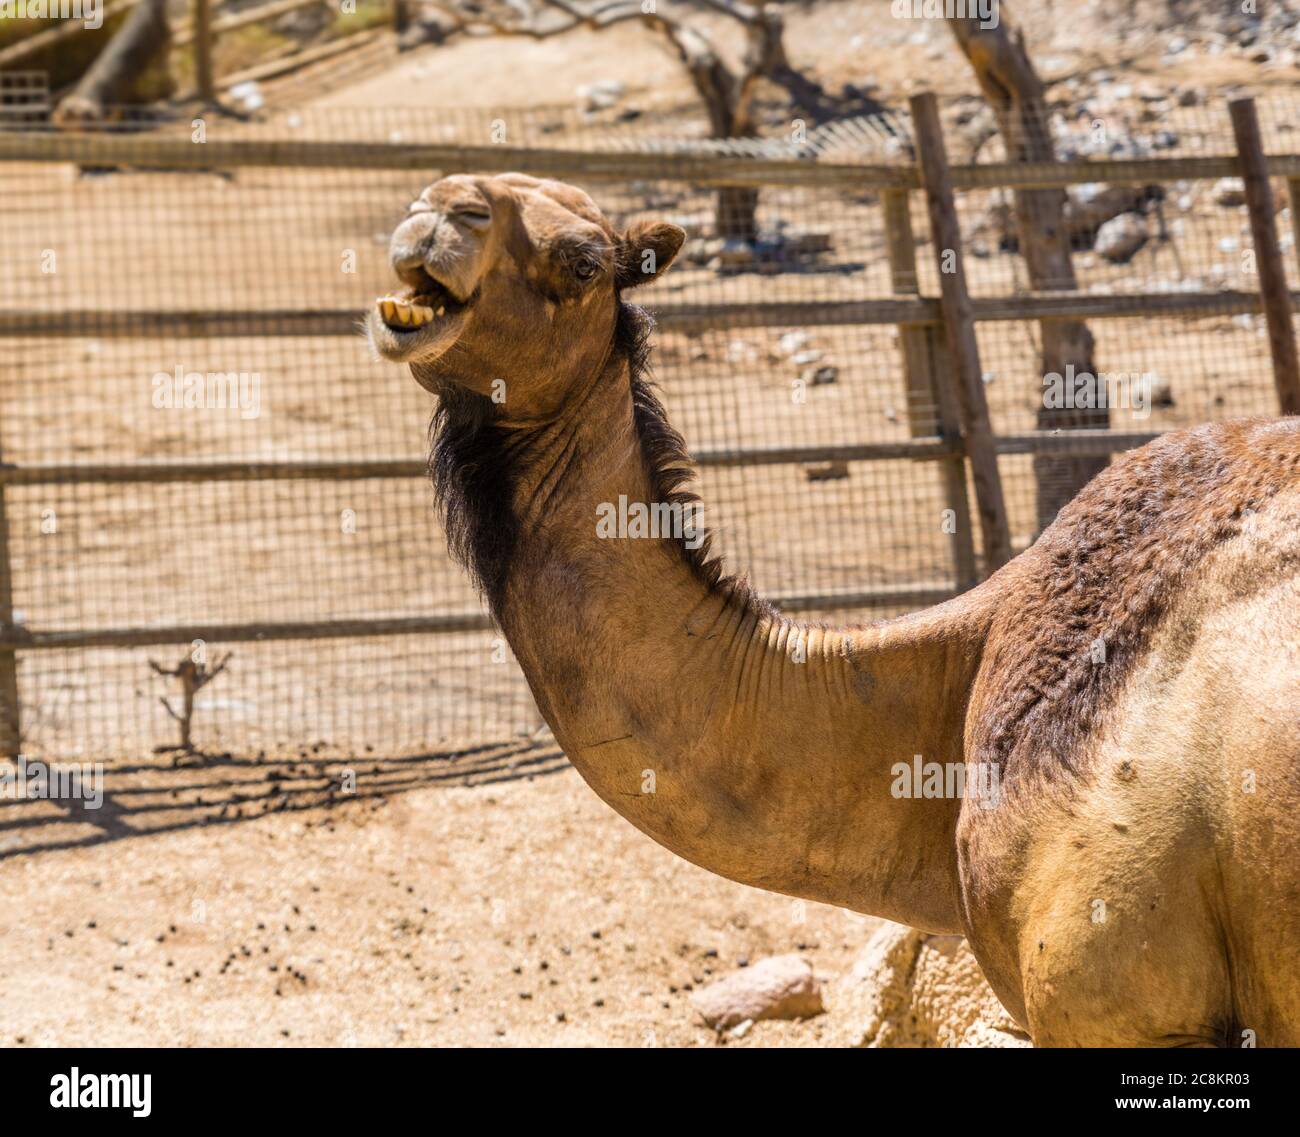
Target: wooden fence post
(1268,255)
(959,327)
(10,725)
(204,79)
(1293,188)
(925,387)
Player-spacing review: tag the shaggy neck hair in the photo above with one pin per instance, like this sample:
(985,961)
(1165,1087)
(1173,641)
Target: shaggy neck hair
(474,464)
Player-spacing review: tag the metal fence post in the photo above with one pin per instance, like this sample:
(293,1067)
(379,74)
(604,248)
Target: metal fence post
(1268,255)
(922,360)
(959,326)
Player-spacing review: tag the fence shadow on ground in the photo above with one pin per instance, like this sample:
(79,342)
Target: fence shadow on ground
(153,797)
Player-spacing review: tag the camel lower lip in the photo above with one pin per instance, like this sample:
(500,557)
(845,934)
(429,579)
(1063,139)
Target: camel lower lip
(402,343)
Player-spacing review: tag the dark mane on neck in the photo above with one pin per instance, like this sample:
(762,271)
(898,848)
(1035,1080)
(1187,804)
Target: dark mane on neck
(473,463)
(473,484)
(667,461)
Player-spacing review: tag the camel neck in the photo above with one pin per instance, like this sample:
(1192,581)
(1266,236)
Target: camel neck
(757,747)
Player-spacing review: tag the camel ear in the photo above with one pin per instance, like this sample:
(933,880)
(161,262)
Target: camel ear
(648,249)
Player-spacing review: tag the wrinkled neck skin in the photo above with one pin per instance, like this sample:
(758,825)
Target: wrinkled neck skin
(685,705)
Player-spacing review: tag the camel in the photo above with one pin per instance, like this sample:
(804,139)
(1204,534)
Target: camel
(1128,686)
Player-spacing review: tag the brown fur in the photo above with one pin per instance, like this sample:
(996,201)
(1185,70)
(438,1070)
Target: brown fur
(1107,569)
(472,463)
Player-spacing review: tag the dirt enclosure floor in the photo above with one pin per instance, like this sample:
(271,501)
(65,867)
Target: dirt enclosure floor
(488,900)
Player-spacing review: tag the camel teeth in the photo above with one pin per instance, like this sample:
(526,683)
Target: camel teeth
(403,312)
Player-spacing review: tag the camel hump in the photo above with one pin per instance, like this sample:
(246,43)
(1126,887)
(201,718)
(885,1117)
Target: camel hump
(1080,609)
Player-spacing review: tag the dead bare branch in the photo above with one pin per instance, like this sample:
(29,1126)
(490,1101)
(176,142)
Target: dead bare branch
(143,35)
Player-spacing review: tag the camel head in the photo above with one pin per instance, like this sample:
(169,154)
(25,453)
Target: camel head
(511,280)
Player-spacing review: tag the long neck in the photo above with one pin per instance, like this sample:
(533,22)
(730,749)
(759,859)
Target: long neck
(756,747)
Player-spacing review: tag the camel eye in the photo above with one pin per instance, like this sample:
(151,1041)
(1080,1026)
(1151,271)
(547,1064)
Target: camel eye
(585,269)
(472,214)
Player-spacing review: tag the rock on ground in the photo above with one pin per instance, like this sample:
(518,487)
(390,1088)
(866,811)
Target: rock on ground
(780,987)
(1121,237)
(1088,207)
(1229,192)
(912,989)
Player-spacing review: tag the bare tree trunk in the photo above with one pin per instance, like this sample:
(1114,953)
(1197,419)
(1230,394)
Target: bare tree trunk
(1016,94)
(726,98)
(727,92)
(736,214)
(140,38)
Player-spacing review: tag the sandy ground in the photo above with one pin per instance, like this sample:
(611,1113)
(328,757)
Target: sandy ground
(516,911)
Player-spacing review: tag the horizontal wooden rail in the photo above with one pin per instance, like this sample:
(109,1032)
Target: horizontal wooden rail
(193,323)
(23,639)
(671,316)
(102,473)
(174,153)
(679,317)
(1117,171)
(108,473)
(932,448)
(1080,442)
(683,163)
(1117,305)
(927,449)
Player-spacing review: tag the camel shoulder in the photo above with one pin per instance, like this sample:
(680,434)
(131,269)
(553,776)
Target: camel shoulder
(1072,617)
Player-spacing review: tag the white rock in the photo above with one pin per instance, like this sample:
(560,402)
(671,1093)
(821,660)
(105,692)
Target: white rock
(792,342)
(1121,237)
(1229,191)
(248,94)
(780,987)
(602,94)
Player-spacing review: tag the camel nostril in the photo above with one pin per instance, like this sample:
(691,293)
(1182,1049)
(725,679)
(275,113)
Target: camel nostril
(410,270)
(410,244)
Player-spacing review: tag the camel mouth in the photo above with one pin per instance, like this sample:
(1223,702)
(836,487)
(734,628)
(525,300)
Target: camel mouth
(426,300)
(405,325)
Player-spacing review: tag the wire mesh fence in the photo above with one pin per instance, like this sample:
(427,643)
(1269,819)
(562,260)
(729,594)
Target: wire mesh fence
(288,532)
